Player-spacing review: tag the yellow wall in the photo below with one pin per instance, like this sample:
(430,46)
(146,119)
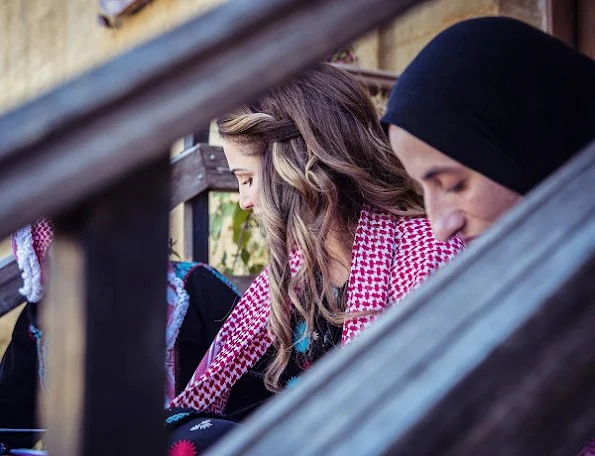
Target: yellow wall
(393,47)
(44,42)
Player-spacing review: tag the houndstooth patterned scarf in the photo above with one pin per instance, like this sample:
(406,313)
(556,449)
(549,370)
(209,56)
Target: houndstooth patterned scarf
(391,256)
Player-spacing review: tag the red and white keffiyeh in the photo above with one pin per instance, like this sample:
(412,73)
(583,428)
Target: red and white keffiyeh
(391,257)
(29,247)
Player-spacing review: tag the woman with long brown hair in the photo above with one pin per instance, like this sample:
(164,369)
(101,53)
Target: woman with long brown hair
(345,230)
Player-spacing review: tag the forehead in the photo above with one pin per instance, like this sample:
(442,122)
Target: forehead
(240,156)
(417,156)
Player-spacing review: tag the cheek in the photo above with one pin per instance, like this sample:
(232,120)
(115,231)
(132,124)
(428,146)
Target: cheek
(493,201)
(253,192)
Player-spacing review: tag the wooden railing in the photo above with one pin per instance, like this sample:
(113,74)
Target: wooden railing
(495,355)
(10,282)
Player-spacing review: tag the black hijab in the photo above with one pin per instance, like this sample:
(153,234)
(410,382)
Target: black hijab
(499,96)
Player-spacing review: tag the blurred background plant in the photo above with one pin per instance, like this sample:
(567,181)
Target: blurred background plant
(236,245)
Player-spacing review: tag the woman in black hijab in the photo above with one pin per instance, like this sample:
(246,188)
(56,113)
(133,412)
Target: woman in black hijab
(486,111)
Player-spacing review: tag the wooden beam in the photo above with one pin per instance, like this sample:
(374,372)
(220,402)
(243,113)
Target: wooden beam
(198,169)
(187,175)
(90,133)
(217,170)
(10,282)
(200,227)
(494,355)
(105,322)
(373,80)
(561,20)
(586,27)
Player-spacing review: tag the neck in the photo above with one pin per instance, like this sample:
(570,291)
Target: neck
(339,245)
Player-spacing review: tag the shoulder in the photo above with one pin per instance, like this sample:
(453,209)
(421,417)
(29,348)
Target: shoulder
(186,271)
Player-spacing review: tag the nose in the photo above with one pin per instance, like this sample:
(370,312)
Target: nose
(446,222)
(246,202)
(446,226)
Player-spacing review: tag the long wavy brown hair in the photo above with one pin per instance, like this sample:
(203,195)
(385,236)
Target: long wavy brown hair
(324,155)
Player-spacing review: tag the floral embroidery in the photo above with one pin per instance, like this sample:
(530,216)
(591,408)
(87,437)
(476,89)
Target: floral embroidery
(183,448)
(176,417)
(292,382)
(204,424)
(301,340)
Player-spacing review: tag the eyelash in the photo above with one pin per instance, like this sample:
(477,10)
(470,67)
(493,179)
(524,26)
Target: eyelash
(457,188)
(248,181)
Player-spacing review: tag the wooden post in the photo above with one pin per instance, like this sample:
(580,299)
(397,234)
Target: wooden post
(196,210)
(105,321)
(586,27)
(561,19)
(200,227)
(10,282)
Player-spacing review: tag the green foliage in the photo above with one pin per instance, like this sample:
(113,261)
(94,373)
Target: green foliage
(236,245)
(345,55)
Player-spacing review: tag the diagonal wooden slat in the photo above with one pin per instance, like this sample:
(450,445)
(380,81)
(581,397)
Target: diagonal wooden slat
(10,282)
(199,169)
(373,80)
(98,128)
(495,355)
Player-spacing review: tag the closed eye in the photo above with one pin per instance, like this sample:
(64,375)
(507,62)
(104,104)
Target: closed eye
(460,186)
(247,181)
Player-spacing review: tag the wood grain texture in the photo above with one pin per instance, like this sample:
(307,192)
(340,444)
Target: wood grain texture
(102,126)
(494,355)
(187,176)
(105,320)
(10,282)
(373,80)
(586,27)
(561,20)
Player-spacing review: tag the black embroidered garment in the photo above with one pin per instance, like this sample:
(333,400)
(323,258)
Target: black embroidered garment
(249,391)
